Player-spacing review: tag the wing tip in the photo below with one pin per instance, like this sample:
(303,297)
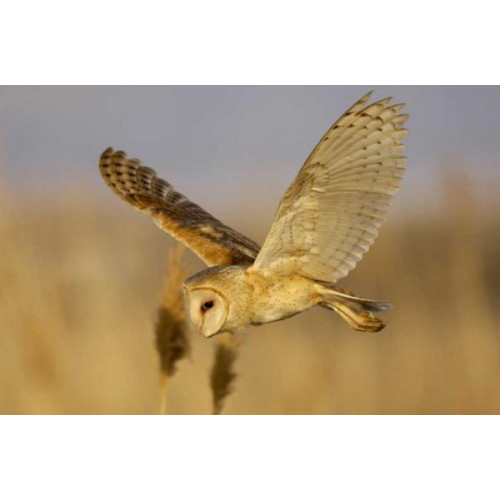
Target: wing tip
(368,95)
(110,153)
(106,156)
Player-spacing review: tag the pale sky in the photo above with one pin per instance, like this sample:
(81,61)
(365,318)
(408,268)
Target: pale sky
(225,139)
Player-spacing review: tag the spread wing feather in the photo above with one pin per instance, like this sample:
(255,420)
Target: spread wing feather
(330,215)
(215,243)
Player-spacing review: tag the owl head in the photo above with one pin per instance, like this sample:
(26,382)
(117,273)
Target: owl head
(213,299)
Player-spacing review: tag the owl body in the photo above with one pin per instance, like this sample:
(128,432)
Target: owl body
(252,296)
(327,219)
(276,297)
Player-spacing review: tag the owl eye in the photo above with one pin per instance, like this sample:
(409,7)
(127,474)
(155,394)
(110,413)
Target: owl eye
(207,305)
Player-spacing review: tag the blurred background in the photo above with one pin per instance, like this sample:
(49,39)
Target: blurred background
(82,274)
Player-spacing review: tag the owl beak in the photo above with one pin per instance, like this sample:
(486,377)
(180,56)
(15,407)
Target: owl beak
(200,325)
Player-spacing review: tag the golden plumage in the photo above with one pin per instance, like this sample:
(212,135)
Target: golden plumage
(214,242)
(326,221)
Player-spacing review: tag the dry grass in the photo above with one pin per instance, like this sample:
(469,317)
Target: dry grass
(172,342)
(223,374)
(78,298)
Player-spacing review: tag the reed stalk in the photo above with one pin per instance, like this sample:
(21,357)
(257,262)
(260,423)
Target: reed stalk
(222,376)
(172,343)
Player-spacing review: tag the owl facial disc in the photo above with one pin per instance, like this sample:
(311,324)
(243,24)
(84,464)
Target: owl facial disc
(207,309)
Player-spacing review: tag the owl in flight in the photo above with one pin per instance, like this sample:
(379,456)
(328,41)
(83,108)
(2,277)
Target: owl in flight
(325,222)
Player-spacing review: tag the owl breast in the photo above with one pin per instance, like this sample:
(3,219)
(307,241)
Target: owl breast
(277,297)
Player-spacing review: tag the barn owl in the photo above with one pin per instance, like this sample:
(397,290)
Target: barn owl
(327,219)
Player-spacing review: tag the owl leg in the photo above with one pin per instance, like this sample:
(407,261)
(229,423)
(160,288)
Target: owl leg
(363,321)
(354,310)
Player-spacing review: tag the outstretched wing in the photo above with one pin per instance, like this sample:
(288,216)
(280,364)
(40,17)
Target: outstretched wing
(330,215)
(215,243)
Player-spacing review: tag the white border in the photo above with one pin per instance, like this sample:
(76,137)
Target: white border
(262,42)
(249,457)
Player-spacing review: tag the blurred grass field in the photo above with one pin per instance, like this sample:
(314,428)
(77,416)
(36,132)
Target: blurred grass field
(80,284)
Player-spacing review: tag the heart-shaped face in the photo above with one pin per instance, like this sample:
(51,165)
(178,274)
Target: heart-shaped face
(208,310)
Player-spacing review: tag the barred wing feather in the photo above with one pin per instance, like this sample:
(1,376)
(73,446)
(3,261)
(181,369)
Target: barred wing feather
(214,242)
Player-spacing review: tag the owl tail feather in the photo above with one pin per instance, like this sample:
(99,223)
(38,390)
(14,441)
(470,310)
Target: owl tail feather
(356,311)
